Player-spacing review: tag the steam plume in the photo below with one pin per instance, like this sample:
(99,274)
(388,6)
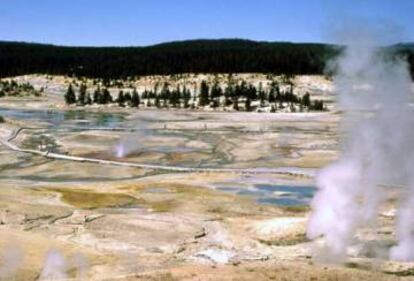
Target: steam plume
(55,266)
(80,262)
(132,142)
(374,93)
(11,259)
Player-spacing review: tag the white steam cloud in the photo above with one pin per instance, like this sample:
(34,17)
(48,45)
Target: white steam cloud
(81,263)
(128,144)
(55,266)
(10,260)
(133,141)
(374,92)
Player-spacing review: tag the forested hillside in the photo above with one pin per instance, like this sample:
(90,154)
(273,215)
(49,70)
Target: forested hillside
(199,56)
(196,56)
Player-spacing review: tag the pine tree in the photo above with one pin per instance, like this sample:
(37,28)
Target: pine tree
(186,97)
(306,101)
(195,94)
(247,104)
(82,95)
(128,98)
(144,94)
(121,99)
(271,97)
(165,94)
(157,102)
(70,97)
(174,97)
(317,105)
(228,93)
(236,103)
(203,98)
(251,92)
(97,95)
(88,99)
(216,91)
(106,96)
(135,98)
(262,95)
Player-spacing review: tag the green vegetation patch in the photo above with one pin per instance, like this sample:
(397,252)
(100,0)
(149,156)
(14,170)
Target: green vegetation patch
(91,200)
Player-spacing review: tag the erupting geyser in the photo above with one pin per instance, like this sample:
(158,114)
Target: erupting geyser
(374,92)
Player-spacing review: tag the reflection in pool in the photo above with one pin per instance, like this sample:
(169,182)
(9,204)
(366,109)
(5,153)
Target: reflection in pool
(283,195)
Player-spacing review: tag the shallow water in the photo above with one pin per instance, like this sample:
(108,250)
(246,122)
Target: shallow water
(282,201)
(282,195)
(76,118)
(298,190)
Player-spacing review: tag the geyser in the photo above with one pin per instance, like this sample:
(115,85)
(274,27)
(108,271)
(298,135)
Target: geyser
(373,90)
(120,150)
(133,141)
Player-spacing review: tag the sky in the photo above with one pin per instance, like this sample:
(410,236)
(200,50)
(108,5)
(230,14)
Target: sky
(147,22)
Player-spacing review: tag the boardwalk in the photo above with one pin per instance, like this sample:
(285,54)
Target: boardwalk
(8,143)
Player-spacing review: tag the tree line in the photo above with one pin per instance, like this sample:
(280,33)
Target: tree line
(193,56)
(13,88)
(196,56)
(238,96)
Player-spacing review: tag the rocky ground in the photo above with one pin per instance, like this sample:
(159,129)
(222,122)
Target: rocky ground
(85,221)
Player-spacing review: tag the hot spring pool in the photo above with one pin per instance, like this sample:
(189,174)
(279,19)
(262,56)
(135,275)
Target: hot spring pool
(282,195)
